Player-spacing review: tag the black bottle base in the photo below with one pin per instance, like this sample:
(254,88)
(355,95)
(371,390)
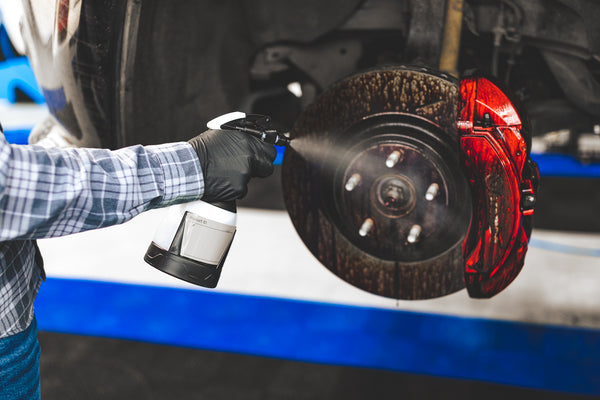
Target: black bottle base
(191,271)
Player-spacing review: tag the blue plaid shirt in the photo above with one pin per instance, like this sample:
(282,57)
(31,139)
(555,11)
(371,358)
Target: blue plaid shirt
(55,192)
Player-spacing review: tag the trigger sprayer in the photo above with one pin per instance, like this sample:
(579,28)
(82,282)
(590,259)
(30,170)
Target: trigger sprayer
(194,239)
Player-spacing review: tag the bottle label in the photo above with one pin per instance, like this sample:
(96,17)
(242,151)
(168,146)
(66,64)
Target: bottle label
(205,240)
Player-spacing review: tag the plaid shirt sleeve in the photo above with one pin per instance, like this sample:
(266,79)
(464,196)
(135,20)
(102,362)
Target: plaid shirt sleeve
(55,192)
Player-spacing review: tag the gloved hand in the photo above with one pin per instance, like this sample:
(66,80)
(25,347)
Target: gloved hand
(229,159)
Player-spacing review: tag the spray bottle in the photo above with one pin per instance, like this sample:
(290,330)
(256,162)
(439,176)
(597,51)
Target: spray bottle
(193,241)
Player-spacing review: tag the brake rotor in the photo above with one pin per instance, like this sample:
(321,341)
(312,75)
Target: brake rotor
(373,186)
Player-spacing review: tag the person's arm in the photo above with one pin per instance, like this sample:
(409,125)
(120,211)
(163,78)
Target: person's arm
(54,192)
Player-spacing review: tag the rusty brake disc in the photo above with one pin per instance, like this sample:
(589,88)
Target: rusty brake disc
(373,186)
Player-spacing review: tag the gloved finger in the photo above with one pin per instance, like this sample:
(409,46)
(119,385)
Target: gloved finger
(262,168)
(272,152)
(228,188)
(262,164)
(243,192)
(238,183)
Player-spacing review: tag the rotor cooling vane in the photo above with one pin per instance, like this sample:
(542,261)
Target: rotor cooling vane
(374,187)
(409,184)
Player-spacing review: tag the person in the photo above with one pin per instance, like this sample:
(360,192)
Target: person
(55,192)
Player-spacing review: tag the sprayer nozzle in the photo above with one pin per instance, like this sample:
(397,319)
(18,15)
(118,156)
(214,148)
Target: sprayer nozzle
(259,126)
(282,141)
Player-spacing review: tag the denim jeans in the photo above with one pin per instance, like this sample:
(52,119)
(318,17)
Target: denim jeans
(20,365)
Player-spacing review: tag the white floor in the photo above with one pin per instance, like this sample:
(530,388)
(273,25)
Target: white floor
(268,258)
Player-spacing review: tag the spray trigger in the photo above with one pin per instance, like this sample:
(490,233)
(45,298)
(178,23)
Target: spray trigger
(259,126)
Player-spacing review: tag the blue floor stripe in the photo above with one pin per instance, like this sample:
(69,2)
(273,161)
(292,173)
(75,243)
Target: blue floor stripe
(564,248)
(535,356)
(565,166)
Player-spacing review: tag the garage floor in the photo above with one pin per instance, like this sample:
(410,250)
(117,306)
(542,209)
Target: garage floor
(78,367)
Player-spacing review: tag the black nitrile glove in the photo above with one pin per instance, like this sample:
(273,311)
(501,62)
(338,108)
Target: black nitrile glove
(229,159)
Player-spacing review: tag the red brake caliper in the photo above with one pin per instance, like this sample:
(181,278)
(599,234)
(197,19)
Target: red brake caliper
(503,181)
